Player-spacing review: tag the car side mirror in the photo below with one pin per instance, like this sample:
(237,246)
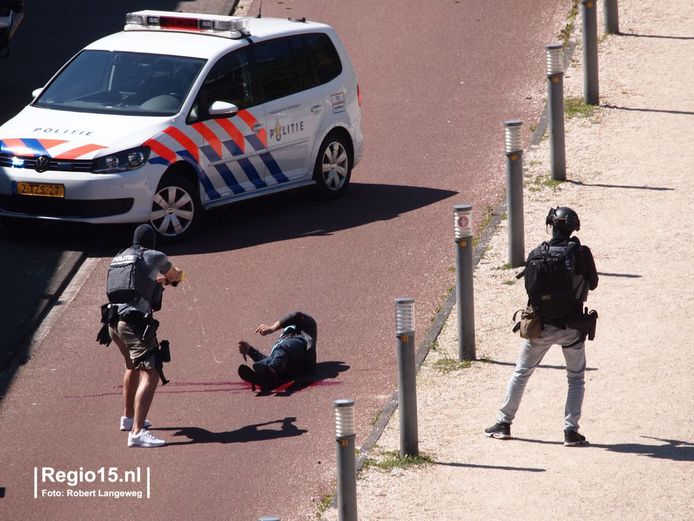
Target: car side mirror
(222,109)
(35,93)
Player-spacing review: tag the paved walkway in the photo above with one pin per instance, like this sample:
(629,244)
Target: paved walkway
(629,170)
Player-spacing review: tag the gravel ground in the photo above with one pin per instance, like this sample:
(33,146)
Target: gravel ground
(628,166)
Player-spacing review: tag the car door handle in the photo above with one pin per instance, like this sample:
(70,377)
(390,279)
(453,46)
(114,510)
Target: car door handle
(257,128)
(316,109)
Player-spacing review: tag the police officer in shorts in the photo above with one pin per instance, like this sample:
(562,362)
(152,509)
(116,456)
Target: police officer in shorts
(134,286)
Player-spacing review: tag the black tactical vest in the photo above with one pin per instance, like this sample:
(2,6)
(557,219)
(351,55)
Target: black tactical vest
(128,278)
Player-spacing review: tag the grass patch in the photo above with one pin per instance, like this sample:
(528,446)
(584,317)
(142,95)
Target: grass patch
(448,365)
(505,266)
(551,183)
(542,181)
(576,107)
(391,459)
(324,504)
(486,219)
(565,34)
(509,282)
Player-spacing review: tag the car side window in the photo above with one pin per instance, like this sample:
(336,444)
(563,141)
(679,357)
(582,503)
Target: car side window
(229,80)
(324,56)
(305,71)
(275,71)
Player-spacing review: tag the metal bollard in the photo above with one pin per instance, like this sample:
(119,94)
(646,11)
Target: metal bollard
(407,376)
(555,102)
(464,286)
(591,89)
(611,15)
(345,435)
(514,192)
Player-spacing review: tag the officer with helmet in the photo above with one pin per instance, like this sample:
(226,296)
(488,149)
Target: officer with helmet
(562,325)
(134,288)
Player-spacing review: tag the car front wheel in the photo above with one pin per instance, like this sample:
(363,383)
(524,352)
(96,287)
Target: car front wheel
(175,208)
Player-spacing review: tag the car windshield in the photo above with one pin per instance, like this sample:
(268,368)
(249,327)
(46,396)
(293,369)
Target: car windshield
(127,83)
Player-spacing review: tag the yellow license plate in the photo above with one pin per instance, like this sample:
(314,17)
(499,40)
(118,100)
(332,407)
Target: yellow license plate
(41,189)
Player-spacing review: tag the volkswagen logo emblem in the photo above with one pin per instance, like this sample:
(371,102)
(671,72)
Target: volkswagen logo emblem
(42,163)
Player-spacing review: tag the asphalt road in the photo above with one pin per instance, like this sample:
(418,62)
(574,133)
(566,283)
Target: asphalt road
(437,79)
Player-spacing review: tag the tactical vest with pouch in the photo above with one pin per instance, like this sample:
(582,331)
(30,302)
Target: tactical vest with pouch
(128,278)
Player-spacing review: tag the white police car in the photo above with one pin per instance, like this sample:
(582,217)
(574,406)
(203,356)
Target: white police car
(180,113)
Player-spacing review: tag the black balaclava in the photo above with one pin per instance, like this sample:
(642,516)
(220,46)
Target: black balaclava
(145,236)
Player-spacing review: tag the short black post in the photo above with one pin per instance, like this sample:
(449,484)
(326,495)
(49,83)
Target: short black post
(464,281)
(611,15)
(345,435)
(514,192)
(407,376)
(555,103)
(591,89)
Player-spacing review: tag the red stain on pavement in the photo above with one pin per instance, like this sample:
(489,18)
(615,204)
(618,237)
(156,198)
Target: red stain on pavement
(233,387)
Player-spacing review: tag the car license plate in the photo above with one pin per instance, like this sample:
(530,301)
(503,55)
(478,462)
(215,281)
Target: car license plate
(41,189)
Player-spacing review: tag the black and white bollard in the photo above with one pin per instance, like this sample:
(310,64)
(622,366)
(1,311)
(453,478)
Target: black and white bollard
(464,286)
(407,376)
(514,191)
(591,89)
(345,435)
(611,15)
(555,103)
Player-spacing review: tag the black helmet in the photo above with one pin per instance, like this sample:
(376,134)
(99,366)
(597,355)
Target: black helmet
(563,219)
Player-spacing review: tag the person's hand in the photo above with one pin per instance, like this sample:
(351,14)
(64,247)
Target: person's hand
(243,347)
(179,278)
(264,329)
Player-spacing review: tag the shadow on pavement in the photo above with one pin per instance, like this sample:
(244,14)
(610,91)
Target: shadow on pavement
(300,213)
(541,366)
(630,187)
(489,467)
(250,433)
(666,37)
(674,450)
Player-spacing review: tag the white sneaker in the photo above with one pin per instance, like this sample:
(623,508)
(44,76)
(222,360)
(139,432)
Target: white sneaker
(126,424)
(144,439)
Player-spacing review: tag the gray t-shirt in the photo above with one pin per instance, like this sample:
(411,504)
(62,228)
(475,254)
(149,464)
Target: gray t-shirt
(157,262)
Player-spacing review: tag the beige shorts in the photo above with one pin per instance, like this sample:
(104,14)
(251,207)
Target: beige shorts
(132,347)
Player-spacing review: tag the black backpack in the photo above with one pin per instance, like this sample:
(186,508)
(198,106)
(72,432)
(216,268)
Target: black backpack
(551,281)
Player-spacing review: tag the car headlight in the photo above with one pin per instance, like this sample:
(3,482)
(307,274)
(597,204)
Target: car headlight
(122,161)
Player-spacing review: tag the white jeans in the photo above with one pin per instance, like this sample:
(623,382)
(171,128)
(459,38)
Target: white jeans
(532,352)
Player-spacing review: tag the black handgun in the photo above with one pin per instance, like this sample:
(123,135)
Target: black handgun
(163,355)
(593,323)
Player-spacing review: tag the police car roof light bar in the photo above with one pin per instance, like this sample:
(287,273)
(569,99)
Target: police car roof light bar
(214,25)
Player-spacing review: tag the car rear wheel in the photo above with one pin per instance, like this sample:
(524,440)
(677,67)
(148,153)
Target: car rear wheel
(333,166)
(175,208)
